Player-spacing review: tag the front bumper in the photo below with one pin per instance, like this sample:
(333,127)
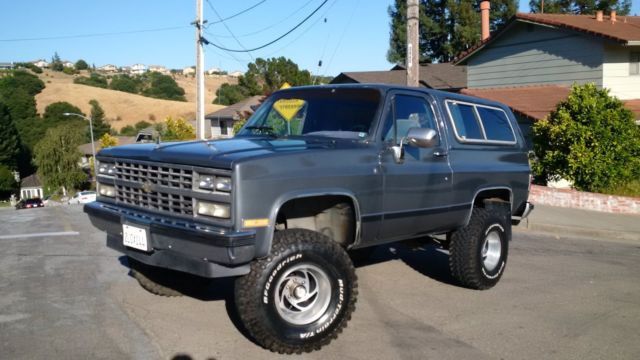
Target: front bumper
(177,244)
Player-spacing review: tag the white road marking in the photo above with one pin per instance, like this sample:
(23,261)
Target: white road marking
(60,233)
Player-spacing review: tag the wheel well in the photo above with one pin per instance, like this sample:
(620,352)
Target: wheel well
(492,195)
(330,215)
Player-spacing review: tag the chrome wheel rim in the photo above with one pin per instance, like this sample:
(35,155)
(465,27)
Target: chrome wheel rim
(303,294)
(491,250)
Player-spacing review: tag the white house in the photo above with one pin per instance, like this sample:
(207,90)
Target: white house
(159,68)
(41,63)
(109,68)
(236,74)
(68,64)
(189,70)
(31,187)
(138,69)
(215,71)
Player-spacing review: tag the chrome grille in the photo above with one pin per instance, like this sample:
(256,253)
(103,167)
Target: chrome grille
(164,181)
(154,174)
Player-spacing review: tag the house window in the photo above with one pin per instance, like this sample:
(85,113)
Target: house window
(223,127)
(634,64)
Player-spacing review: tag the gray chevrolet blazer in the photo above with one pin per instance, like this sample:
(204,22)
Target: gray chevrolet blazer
(317,176)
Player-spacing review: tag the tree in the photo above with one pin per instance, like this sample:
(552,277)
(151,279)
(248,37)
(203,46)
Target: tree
(163,87)
(229,94)
(178,129)
(590,139)
(581,7)
(107,140)
(81,65)
(447,28)
(56,63)
(126,83)
(57,157)
(100,126)
(238,125)
(94,79)
(10,146)
(128,131)
(141,125)
(262,78)
(8,183)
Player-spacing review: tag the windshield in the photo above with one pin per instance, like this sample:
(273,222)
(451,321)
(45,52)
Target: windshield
(331,112)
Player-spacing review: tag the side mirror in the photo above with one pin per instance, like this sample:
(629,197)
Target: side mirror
(422,137)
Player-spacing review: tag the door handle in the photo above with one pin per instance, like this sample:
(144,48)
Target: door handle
(440,153)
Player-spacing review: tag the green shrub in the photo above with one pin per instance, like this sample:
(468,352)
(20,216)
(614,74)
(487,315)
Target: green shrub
(94,79)
(590,139)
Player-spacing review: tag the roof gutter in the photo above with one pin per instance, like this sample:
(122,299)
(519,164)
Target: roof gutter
(633,43)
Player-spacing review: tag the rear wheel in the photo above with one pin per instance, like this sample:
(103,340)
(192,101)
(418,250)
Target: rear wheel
(301,296)
(478,252)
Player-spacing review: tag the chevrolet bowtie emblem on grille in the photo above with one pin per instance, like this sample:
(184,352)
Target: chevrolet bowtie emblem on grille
(146,187)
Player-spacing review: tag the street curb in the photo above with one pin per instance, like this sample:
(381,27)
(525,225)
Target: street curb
(564,230)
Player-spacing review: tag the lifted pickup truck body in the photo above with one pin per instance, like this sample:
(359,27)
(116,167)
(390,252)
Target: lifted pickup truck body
(211,208)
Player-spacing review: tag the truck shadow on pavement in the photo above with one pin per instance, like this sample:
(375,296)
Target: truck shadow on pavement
(421,255)
(217,289)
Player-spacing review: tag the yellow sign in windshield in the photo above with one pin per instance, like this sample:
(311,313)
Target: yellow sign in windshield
(288,108)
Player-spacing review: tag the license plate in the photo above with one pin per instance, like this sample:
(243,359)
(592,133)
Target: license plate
(135,237)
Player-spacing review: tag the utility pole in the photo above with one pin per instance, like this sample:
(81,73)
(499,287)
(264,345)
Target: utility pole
(413,49)
(200,133)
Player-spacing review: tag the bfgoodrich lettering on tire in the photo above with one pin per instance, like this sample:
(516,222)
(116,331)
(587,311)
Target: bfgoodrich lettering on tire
(478,252)
(300,297)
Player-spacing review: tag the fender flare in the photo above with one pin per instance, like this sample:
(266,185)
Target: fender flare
(301,194)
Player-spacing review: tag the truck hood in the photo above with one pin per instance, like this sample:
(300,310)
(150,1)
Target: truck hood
(222,153)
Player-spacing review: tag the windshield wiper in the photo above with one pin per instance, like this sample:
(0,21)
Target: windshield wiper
(262,130)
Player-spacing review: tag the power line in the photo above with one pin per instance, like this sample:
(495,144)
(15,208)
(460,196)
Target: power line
(305,30)
(341,37)
(229,30)
(96,34)
(279,22)
(273,41)
(236,14)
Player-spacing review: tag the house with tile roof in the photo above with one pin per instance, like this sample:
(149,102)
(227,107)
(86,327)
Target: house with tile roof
(444,76)
(531,62)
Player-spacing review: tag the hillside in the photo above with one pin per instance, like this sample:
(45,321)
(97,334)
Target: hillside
(121,108)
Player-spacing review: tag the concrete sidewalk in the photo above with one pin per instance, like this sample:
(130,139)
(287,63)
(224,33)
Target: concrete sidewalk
(582,223)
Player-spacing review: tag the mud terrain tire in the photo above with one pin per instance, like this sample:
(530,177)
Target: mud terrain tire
(478,252)
(301,296)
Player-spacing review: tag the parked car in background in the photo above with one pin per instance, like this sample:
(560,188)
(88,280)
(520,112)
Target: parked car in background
(29,203)
(82,197)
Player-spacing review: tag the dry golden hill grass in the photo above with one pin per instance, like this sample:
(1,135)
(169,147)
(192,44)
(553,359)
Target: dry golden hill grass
(121,108)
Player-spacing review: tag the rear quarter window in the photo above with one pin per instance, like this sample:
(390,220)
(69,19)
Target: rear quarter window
(474,123)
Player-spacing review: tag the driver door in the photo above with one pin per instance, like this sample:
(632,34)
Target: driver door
(416,191)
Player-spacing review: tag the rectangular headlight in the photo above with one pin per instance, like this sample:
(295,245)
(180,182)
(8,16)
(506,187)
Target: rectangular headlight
(106,190)
(223,184)
(217,183)
(217,210)
(108,169)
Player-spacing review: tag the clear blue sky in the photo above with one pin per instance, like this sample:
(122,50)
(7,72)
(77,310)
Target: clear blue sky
(355,36)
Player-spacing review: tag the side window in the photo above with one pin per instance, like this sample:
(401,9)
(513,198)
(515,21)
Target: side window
(465,120)
(496,125)
(408,111)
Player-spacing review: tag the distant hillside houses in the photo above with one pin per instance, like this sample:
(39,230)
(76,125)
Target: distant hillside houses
(42,64)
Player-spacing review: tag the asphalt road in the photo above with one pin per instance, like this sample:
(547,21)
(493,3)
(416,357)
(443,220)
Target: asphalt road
(64,295)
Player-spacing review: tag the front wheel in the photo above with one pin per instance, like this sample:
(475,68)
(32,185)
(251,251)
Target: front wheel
(301,296)
(478,252)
